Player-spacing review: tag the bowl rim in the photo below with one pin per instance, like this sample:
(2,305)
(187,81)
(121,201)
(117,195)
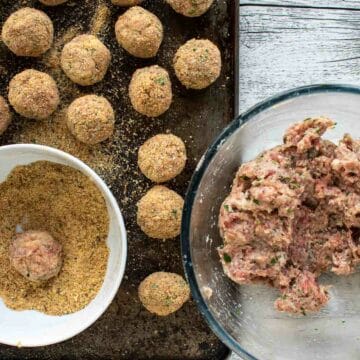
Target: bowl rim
(195,181)
(117,278)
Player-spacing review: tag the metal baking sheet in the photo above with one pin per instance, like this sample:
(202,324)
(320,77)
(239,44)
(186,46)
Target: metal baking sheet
(127,330)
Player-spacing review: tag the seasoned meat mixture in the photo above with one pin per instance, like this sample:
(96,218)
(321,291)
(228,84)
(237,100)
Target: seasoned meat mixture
(294,213)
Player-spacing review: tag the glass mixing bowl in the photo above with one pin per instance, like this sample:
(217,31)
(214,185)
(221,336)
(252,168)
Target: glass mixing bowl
(243,316)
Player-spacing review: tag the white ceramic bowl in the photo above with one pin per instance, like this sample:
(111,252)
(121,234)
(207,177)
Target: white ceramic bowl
(31,328)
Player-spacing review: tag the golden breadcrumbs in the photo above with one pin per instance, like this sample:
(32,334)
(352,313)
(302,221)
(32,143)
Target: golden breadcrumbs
(55,133)
(67,204)
(100,20)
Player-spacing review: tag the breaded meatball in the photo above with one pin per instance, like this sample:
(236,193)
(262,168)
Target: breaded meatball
(85,60)
(28,32)
(163,293)
(139,32)
(150,91)
(191,8)
(5,116)
(33,94)
(197,63)
(126,2)
(36,255)
(91,119)
(52,2)
(162,157)
(159,213)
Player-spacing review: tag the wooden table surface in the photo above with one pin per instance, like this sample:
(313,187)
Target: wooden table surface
(290,43)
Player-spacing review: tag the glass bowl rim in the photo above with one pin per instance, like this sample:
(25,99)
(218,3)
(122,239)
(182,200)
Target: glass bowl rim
(195,181)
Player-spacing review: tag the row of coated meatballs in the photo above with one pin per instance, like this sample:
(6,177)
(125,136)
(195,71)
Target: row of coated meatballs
(34,95)
(85,60)
(190,8)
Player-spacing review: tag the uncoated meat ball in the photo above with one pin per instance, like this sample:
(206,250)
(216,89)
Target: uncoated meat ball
(36,255)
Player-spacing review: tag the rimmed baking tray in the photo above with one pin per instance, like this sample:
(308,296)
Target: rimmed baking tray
(126,330)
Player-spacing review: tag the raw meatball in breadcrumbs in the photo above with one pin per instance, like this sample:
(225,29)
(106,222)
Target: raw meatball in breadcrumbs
(163,293)
(197,63)
(150,91)
(91,119)
(159,213)
(191,8)
(52,2)
(126,2)
(28,32)
(139,32)
(162,157)
(85,60)
(36,255)
(5,116)
(33,94)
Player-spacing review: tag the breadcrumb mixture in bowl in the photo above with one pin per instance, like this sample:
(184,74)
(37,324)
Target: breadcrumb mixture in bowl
(63,202)
(64,229)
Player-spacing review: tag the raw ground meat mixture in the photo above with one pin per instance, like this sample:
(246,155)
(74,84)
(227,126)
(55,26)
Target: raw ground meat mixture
(294,213)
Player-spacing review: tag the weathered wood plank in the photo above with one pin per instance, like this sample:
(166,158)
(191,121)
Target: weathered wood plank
(344,4)
(282,48)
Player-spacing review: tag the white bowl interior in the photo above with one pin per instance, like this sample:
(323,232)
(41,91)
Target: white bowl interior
(32,328)
(245,314)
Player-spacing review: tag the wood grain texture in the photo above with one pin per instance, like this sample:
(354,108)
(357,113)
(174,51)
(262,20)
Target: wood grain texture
(282,48)
(336,4)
